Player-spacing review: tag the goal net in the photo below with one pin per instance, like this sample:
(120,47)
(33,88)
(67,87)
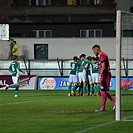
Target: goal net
(124,66)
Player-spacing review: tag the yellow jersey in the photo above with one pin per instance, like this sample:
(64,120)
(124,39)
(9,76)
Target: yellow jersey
(16,52)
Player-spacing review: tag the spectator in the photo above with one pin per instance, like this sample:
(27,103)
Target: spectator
(14,51)
(11,47)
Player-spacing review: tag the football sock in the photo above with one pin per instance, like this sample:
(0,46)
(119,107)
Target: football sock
(97,88)
(91,90)
(111,98)
(69,88)
(106,95)
(104,99)
(12,86)
(16,91)
(75,87)
(79,89)
(84,89)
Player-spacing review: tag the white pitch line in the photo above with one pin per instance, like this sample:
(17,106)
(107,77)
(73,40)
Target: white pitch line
(91,128)
(102,125)
(125,118)
(16,103)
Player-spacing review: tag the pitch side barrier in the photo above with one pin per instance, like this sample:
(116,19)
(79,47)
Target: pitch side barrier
(53,74)
(62,83)
(27,82)
(60,67)
(33,82)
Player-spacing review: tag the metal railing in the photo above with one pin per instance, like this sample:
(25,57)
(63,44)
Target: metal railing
(51,67)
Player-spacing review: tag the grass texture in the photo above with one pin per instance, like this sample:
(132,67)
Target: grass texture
(55,112)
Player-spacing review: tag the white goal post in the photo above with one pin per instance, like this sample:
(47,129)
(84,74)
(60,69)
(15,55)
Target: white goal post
(118,64)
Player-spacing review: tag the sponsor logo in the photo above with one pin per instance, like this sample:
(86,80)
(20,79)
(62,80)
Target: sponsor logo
(47,84)
(126,84)
(64,83)
(25,82)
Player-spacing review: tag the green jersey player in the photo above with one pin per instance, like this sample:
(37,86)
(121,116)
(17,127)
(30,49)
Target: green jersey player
(73,78)
(90,85)
(95,76)
(82,73)
(14,68)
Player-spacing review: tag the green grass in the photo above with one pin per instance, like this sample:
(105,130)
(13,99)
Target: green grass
(55,112)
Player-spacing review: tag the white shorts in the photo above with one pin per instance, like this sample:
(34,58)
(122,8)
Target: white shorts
(82,77)
(73,78)
(15,80)
(90,79)
(95,77)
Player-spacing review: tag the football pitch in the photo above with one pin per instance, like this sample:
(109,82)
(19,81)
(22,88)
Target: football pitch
(55,112)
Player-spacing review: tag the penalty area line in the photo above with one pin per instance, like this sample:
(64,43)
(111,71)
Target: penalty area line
(16,103)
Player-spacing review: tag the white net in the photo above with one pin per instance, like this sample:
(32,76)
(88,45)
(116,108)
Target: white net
(126,66)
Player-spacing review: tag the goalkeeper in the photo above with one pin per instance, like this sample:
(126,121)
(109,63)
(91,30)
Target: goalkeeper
(105,76)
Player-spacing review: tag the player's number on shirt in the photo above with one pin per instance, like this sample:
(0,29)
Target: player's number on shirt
(95,66)
(13,68)
(73,66)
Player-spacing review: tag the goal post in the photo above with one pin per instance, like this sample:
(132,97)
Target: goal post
(118,65)
(124,65)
